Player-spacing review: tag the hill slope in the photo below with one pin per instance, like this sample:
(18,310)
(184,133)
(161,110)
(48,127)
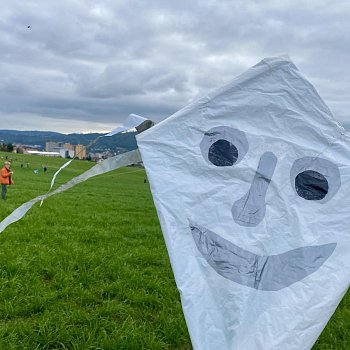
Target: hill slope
(125,141)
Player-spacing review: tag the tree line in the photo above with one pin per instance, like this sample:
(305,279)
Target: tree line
(6,147)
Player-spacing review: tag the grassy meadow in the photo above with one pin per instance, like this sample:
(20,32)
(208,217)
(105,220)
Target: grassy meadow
(89,269)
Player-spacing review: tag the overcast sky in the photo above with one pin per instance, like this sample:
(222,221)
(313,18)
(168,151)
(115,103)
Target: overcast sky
(84,66)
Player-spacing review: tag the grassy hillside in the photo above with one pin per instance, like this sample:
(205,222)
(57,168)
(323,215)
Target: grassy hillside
(89,269)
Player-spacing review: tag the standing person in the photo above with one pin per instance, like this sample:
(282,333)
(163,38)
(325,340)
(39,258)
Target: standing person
(5,178)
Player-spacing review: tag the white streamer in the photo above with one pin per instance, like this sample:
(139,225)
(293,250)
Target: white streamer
(54,177)
(56,173)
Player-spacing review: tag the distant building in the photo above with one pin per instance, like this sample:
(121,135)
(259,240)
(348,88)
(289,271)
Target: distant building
(68,146)
(20,148)
(66,153)
(51,146)
(27,149)
(80,151)
(66,150)
(96,156)
(44,153)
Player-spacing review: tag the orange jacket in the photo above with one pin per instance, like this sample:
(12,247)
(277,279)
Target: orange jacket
(5,177)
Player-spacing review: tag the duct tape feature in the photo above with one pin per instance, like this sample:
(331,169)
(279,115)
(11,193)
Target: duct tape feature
(133,121)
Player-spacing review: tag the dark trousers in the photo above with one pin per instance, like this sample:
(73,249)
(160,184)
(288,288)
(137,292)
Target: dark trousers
(3,191)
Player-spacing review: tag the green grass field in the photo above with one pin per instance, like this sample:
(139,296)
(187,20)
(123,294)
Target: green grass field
(89,269)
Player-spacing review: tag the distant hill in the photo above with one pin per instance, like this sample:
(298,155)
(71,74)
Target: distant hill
(125,141)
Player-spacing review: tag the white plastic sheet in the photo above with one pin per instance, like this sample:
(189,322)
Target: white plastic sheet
(251,185)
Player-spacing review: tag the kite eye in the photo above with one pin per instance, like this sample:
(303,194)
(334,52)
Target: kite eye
(222,153)
(224,146)
(315,178)
(311,185)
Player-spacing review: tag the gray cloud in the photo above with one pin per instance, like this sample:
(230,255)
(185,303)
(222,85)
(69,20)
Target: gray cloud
(98,61)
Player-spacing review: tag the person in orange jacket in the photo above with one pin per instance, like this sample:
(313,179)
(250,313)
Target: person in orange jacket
(5,178)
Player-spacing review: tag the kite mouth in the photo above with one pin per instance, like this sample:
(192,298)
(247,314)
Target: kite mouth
(267,273)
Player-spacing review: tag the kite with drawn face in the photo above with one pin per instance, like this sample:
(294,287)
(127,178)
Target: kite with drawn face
(250,186)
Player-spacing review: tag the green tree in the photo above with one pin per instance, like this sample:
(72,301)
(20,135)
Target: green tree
(9,147)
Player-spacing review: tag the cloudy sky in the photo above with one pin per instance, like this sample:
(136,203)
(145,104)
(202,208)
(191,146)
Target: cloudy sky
(83,66)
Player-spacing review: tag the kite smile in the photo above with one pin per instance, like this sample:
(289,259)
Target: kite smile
(268,273)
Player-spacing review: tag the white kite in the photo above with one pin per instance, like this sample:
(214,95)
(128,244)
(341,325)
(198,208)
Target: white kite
(251,185)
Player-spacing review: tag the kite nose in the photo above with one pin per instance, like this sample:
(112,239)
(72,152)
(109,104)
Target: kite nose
(250,209)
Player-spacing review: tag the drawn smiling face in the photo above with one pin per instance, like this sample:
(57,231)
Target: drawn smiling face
(251,187)
(313,179)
